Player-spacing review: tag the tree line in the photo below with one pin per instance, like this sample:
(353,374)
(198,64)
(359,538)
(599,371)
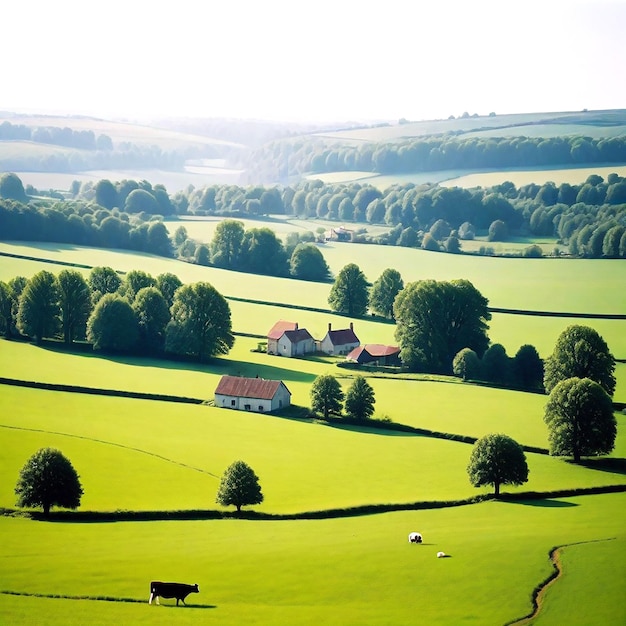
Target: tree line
(281,160)
(136,314)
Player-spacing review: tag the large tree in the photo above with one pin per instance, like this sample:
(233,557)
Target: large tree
(437,319)
(168,284)
(384,291)
(38,313)
(153,315)
(239,486)
(326,395)
(134,281)
(528,368)
(580,419)
(48,479)
(200,326)
(112,325)
(308,263)
(75,303)
(580,352)
(103,280)
(349,293)
(226,244)
(360,400)
(264,253)
(497,460)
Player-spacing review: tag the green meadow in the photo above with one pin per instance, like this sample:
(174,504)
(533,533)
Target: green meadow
(147,455)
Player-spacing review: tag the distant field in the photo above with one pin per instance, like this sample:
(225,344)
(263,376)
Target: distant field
(573,176)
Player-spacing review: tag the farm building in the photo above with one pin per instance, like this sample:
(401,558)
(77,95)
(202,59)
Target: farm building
(375,354)
(251,394)
(338,234)
(340,341)
(286,339)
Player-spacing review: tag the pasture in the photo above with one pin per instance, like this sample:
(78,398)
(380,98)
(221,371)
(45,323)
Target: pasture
(338,571)
(146,455)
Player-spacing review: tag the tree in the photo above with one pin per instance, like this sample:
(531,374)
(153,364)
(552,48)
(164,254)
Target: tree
(112,325)
(226,244)
(11,303)
(580,352)
(497,460)
(38,313)
(360,399)
(580,419)
(308,263)
(349,293)
(466,364)
(134,281)
(528,368)
(103,280)
(384,291)
(239,486)
(12,188)
(168,284)
(263,253)
(152,315)
(141,201)
(106,194)
(200,325)
(496,364)
(326,395)
(437,319)
(75,303)
(48,479)
(498,231)
(158,240)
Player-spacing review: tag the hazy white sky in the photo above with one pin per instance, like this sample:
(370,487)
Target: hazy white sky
(320,60)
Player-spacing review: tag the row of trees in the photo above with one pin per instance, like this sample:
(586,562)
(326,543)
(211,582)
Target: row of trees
(280,160)
(81,139)
(136,314)
(328,398)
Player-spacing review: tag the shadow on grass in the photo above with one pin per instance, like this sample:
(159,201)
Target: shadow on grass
(547,503)
(216,365)
(613,465)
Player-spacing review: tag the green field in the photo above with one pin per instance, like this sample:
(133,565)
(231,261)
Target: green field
(146,455)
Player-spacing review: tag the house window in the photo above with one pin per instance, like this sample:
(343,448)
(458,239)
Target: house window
(246,407)
(233,403)
(261,408)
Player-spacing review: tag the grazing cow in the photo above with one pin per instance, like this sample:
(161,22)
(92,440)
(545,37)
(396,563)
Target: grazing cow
(415,538)
(171,590)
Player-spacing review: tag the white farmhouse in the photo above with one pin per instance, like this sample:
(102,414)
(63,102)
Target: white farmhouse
(286,339)
(339,342)
(251,394)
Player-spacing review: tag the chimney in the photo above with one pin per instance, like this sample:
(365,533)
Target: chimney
(329,326)
(296,328)
(351,326)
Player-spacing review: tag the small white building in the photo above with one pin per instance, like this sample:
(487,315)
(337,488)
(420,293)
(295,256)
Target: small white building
(251,394)
(286,339)
(339,342)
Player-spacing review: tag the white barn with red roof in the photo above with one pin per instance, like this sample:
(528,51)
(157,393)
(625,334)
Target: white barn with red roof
(251,394)
(286,339)
(340,341)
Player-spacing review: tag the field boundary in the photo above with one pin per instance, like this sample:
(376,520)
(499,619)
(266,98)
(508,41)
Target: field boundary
(356,511)
(564,314)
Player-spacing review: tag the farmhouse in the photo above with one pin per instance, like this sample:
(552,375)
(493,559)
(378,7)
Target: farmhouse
(339,341)
(251,394)
(338,234)
(286,339)
(375,354)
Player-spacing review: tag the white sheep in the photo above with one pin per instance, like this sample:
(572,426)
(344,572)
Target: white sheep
(415,538)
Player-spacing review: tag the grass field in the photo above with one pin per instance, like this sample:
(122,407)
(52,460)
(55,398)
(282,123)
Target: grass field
(145,455)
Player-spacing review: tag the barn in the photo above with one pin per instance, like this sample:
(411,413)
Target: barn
(375,354)
(251,394)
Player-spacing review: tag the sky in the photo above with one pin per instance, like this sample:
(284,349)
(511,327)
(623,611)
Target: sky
(302,60)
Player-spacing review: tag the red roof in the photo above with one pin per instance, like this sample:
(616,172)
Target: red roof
(378,349)
(280,327)
(241,387)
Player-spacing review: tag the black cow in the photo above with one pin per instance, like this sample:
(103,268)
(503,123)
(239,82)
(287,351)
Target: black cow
(171,590)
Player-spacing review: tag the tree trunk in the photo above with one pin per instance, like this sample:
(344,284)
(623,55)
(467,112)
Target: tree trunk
(497,488)
(46,509)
